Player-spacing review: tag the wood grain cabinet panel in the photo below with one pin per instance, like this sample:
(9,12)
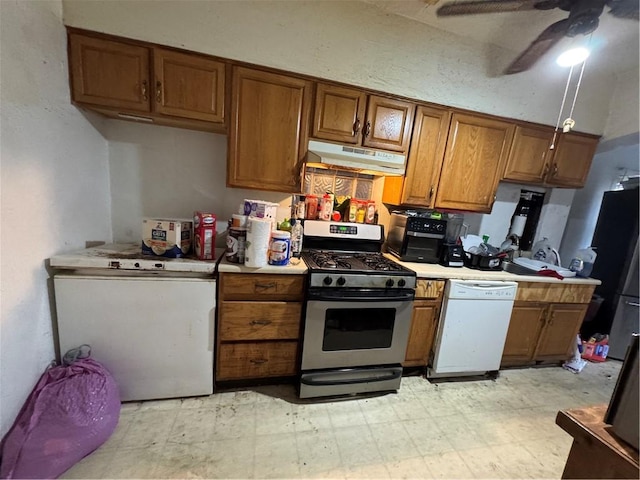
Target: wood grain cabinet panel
(247,286)
(268,131)
(424,321)
(430,289)
(189,86)
(527,320)
(388,124)
(572,160)
(475,156)
(256,360)
(530,156)
(259,321)
(339,113)
(428,142)
(558,337)
(109,73)
(554,292)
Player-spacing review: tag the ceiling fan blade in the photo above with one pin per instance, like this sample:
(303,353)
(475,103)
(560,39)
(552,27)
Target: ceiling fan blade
(487,6)
(624,8)
(541,45)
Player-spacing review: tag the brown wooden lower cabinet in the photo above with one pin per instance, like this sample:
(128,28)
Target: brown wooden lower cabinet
(558,338)
(257,359)
(258,333)
(542,332)
(527,320)
(423,329)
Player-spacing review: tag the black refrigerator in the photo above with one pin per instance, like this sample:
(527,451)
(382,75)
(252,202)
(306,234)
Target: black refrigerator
(616,243)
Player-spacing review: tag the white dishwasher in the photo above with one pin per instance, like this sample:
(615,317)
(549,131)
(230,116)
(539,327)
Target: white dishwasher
(473,327)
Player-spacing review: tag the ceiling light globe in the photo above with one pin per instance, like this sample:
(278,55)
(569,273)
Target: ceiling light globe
(574,56)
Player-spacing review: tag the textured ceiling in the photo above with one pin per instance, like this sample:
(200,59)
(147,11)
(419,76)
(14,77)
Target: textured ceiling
(614,44)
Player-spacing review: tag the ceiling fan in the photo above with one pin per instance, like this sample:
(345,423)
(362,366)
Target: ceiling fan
(583,19)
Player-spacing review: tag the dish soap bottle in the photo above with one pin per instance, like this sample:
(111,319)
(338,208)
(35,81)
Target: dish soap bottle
(297,234)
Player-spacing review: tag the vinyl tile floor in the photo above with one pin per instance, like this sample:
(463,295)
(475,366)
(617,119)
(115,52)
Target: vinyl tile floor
(503,428)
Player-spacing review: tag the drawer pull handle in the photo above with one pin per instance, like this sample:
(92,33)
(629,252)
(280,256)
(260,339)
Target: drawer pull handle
(261,322)
(266,285)
(258,361)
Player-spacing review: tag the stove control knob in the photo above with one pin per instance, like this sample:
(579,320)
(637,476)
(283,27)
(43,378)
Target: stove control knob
(328,280)
(401,283)
(389,283)
(341,281)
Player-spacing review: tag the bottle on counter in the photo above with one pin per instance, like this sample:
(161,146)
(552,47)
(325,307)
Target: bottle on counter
(297,234)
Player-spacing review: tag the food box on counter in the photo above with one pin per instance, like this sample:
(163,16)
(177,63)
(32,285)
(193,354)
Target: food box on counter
(166,237)
(204,234)
(261,209)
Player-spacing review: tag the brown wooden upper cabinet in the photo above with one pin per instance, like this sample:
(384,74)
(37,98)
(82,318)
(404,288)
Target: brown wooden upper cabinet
(268,130)
(477,149)
(349,115)
(428,143)
(531,159)
(572,160)
(109,73)
(189,86)
(170,87)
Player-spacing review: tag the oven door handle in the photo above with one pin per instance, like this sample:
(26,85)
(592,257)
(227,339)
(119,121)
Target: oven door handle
(391,375)
(344,296)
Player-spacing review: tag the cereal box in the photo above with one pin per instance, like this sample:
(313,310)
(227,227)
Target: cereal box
(204,234)
(166,237)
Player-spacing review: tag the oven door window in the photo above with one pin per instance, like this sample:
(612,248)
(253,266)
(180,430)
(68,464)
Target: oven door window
(364,328)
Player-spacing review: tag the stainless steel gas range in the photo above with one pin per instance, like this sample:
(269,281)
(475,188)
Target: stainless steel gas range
(358,311)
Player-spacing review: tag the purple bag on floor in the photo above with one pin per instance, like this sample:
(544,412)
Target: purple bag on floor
(72,410)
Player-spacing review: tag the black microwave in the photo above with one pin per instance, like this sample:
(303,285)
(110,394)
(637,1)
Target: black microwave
(413,238)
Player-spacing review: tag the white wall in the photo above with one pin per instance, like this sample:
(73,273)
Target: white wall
(624,110)
(169,172)
(608,165)
(354,43)
(54,188)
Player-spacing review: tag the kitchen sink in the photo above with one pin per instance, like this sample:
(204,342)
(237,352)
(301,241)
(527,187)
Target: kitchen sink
(517,269)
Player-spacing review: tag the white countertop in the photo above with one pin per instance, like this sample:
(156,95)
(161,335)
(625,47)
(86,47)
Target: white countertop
(430,270)
(128,257)
(296,266)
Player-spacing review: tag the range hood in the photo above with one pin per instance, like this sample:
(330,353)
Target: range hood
(347,157)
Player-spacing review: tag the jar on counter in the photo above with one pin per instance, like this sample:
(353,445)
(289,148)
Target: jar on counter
(326,208)
(279,248)
(311,207)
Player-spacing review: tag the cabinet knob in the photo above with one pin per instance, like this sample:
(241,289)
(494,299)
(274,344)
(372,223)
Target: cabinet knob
(431,192)
(555,169)
(367,129)
(547,167)
(356,127)
(261,322)
(144,90)
(158,91)
(258,361)
(265,285)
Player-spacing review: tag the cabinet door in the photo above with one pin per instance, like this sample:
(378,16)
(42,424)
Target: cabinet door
(558,337)
(474,160)
(527,319)
(339,113)
(529,157)
(108,73)
(572,160)
(388,124)
(425,157)
(268,131)
(188,86)
(423,329)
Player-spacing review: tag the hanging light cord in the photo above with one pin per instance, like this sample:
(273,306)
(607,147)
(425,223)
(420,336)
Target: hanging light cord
(575,97)
(564,98)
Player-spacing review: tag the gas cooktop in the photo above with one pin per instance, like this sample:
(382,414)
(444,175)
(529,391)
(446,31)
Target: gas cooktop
(352,262)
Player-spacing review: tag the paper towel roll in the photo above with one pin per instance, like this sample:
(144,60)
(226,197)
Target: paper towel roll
(256,253)
(517,225)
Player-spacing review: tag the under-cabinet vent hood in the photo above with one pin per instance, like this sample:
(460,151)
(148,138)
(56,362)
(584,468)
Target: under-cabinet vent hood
(363,160)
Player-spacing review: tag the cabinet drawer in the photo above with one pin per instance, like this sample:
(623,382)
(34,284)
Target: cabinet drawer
(259,321)
(256,360)
(553,293)
(243,286)
(429,288)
